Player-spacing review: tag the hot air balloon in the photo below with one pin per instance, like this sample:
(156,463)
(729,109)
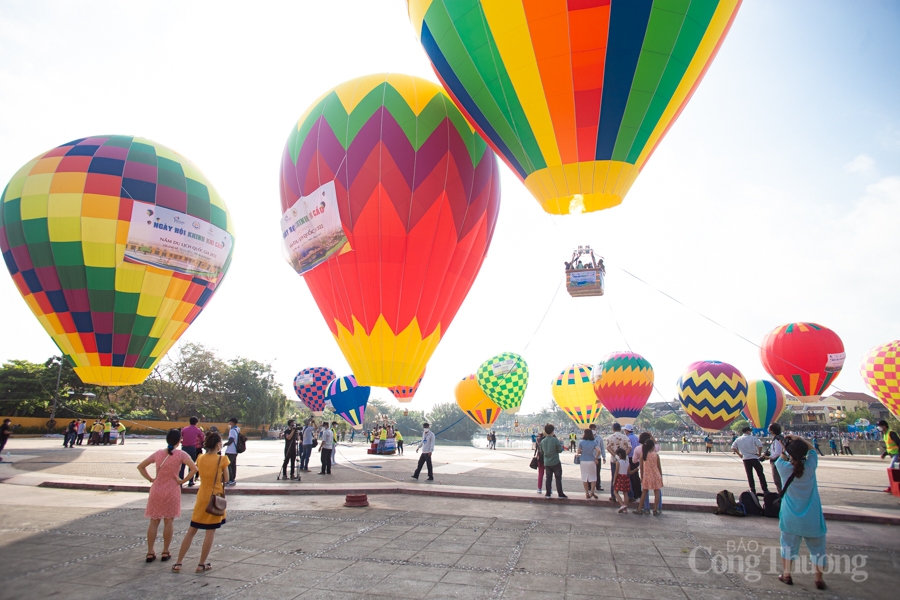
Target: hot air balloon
(405,393)
(116,243)
(574,96)
(474,403)
(712,394)
(764,404)
(880,369)
(803,357)
(504,379)
(574,394)
(310,384)
(623,382)
(349,400)
(389,202)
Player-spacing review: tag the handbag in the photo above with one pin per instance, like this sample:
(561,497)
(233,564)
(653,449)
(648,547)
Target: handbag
(577,459)
(216,505)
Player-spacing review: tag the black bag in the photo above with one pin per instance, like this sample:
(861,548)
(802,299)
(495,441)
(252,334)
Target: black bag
(534,462)
(726,505)
(751,504)
(771,504)
(241,443)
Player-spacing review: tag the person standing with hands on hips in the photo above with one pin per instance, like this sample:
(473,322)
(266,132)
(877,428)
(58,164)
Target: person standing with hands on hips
(748,448)
(426,448)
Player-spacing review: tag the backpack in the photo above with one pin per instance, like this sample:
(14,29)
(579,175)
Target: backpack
(241,443)
(771,504)
(726,505)
(751,504)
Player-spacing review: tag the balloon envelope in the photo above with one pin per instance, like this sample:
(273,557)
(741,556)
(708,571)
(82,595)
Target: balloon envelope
(116,243)
(623,382)
(406,194)
(504,379)
(574,394)
(310,385)
(405,393)
(712,394)
(474,403)
(764,404)
(575,96)
(349,400)
(803,357)
(880,369)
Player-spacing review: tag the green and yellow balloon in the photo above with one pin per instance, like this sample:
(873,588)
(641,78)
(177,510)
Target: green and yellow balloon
(504,378)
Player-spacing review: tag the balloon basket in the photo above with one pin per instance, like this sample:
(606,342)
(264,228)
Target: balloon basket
(356,500)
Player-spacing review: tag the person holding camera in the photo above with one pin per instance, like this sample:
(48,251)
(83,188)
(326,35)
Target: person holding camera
(291,434)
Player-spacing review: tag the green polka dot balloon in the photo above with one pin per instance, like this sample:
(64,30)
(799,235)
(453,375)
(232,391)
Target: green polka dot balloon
(504,378)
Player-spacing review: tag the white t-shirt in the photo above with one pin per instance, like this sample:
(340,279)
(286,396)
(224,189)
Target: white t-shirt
(623,467)
(748,445)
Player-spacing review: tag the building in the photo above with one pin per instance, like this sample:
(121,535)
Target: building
(828,410)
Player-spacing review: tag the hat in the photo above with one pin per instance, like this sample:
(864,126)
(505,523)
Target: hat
(629,427)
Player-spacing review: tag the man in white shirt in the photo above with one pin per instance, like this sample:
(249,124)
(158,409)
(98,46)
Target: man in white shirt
(426,449)
(748,448)
(231,449)
(326,447)
(775,451)
(309,432)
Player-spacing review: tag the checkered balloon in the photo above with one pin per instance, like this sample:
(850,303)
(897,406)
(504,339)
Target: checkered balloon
(880,369)
(310,385)
(504,379)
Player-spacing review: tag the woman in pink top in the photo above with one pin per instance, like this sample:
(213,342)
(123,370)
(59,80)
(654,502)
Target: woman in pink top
(164,502)
(651,475)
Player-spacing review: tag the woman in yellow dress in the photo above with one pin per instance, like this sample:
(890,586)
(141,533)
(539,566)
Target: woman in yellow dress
(213,468)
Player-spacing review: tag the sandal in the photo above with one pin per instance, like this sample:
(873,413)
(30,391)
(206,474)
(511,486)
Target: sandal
(594,496)
(820,585)
(639,511)
(588,496)
(201,568)
(655,513)
(151,556)
(176,568)
(786,579)
(165,556)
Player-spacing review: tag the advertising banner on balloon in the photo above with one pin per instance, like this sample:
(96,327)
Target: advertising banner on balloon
(835,362)
(311,229)
(175,241)
(579,278)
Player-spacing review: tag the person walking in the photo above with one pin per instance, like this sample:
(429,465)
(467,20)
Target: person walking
(845,445)
(551,447)
(82,424)
(775,451)
(326,447)
(121,433)
(398,437)
(164,501)
(291,435)
(69,434)
(5,433)
(426,448)
(192,443)
(747,447)
(708,441)
(635,474)
(650,467)
(622,480)
(534,439)
(213,470)
(231,450)
(684,444)
(309,434)
(800,517)
(589,453)
(815,442)
(573,439)
(602,459)
(617,440)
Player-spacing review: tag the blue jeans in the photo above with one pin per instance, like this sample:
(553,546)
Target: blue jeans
(305,453)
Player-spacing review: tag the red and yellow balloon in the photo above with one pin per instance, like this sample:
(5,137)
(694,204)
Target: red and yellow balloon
(475,403)
(803,357)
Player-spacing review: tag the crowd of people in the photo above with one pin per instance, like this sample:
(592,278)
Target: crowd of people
(103,432)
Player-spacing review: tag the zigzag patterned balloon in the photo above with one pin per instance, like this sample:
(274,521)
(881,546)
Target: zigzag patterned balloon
(712,394)
(574,394)
(349,400)
(623,382)
(418,194)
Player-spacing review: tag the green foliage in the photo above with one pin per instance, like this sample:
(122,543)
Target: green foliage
(853,415)
(740,424)
(786,417)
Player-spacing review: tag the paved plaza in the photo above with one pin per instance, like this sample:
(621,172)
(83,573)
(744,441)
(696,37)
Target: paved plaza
(91,543)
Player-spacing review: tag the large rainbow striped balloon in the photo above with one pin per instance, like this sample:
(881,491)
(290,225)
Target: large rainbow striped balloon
(116,243)
(764,404)
(574,394)
(575,95)
(623,382)
(417,193)
(880,369)
(712,394)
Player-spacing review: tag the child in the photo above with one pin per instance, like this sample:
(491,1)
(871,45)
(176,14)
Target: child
(651,476)
(623,482)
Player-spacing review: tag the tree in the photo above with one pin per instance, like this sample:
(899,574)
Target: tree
(786,418)
(448,414)
(739,424)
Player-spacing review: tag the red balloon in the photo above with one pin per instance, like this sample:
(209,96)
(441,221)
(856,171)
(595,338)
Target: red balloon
(804,357)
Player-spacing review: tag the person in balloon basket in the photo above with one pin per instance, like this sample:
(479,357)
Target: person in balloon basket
(550,449)
(308,441)
(748,447)
(426,448)
(617,440)
(891,446)
(326,447)
(231,450)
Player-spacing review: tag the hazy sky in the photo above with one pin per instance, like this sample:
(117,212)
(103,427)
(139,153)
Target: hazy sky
(774,198)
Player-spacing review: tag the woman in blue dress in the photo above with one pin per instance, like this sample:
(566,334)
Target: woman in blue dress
(800,517)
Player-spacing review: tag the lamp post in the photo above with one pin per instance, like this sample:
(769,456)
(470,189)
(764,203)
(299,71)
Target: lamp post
(58,360)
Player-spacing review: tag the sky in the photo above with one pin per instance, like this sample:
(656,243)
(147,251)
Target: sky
(774,198)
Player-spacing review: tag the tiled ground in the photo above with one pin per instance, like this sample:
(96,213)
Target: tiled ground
(403,547)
